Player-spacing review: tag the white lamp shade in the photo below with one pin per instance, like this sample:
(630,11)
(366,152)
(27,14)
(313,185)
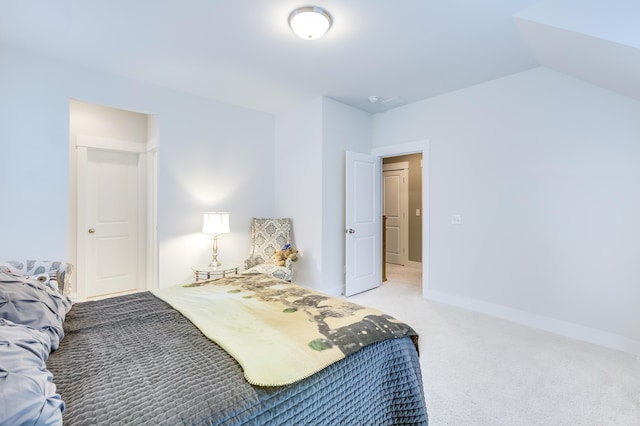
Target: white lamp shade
(310,22)
(215,223)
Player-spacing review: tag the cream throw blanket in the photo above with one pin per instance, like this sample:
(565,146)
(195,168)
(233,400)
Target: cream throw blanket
(279,332)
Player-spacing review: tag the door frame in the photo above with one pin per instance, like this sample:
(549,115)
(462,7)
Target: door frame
(416,147)
(147,230)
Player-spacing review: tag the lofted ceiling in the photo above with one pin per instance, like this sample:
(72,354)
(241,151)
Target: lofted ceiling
(243,52)
(593,40)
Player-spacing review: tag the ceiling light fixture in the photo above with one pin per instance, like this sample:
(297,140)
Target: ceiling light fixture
(310,22)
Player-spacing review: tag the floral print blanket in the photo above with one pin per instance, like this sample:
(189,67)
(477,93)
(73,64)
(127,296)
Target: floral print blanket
(280,332)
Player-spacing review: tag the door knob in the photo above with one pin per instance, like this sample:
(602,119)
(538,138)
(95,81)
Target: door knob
(351,231)
(91,230)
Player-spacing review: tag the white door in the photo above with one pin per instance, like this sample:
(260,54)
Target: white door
(108,216)
(363,233)
(395,206)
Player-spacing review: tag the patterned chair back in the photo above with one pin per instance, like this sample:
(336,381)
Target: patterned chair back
(267,237)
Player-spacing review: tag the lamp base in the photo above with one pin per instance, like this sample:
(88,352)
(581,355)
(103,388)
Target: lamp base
(215,263)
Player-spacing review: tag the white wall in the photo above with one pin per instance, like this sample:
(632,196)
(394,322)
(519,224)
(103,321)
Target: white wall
(298,185)
(543,169)
(211,156)
(310,144)
(344,129)
(34,147)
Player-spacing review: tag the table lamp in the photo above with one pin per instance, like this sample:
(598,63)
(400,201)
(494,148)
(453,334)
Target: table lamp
(215,223)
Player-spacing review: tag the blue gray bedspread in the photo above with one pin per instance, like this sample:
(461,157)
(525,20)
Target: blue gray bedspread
(31,325)
(135,360)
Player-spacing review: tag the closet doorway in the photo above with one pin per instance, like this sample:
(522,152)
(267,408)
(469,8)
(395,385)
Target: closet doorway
(113,200)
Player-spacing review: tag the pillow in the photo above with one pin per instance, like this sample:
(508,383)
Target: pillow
(27,301)
(27,392)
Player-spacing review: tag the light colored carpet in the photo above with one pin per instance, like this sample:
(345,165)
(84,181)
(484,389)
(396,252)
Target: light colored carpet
(480,370)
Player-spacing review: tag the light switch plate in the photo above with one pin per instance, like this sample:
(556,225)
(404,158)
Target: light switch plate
(456,219)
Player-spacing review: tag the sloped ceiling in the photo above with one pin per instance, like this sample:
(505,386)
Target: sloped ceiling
(242,52)
(595,41)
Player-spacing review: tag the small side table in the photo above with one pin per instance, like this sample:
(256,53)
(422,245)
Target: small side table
(209,272)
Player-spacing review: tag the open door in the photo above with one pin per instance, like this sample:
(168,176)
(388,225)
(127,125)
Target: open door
(363,233)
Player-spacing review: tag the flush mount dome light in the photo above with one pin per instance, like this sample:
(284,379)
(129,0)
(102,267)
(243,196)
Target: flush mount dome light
(309,22)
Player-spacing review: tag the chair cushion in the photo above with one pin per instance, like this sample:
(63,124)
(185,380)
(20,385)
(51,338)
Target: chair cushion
(265,268)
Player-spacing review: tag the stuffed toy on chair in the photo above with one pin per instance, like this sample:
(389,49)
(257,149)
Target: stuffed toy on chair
(287,252)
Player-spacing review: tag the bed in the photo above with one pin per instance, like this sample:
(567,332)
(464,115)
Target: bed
(136,359)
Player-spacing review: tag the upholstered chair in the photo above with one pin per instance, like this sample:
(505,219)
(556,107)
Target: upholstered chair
(267,237)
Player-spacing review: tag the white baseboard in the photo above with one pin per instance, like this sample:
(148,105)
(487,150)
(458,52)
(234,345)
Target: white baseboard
(563,328)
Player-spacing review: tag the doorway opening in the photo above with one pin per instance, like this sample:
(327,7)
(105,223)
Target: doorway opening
(402,209)
(418,208)
(112,202)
